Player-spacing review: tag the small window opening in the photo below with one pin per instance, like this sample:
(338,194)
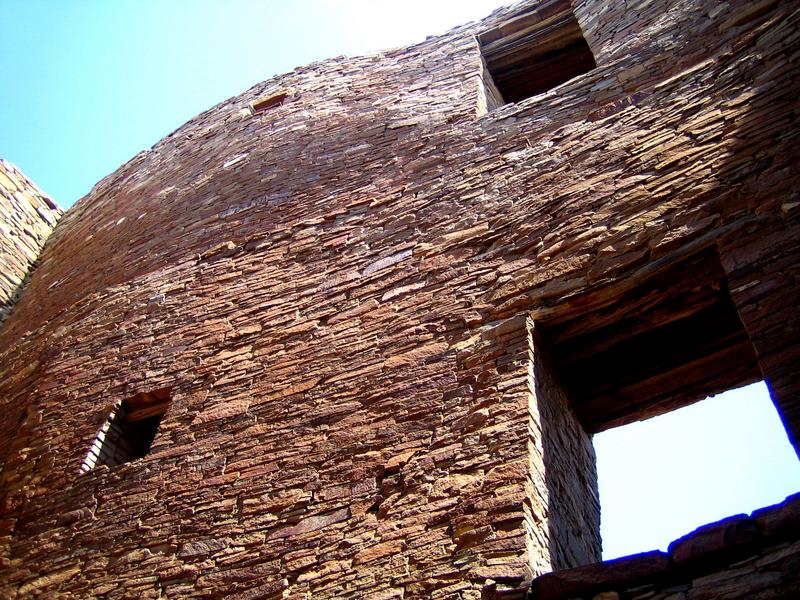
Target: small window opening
(662,478)
(129,430)
(268,102)
(532,53)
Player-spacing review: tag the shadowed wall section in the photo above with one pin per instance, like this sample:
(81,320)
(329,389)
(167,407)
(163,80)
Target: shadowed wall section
(563,471)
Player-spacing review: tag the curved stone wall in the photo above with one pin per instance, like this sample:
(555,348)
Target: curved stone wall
(333,293)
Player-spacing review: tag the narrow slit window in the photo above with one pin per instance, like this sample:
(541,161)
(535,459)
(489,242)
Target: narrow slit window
(531,54)
(129,430)
(267,102)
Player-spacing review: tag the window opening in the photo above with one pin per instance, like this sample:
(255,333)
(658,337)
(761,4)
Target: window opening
(267,102)
(664,337)
(129,430)
(655,345)
(532,53)
(662,478)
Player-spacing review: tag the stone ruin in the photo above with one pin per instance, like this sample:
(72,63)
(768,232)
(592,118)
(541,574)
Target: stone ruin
(27,219)
(349,333)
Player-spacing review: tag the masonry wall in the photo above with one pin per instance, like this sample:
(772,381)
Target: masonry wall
(745,556)
(27,217)
(564,494)
(336,290)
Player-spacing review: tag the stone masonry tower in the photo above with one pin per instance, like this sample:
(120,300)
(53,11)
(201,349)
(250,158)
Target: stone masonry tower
(349,333)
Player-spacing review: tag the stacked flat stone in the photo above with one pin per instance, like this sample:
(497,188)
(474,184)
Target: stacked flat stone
(341,277)
(739,558)
(27,216)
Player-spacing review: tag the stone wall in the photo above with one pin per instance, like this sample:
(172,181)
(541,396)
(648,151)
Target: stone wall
(27,216)
(336,292)
(564,496)
(743,557)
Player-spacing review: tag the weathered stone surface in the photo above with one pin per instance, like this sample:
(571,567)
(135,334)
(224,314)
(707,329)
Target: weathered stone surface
(707,543)
(781,521)
(614,574)
(27,216)
(364,298)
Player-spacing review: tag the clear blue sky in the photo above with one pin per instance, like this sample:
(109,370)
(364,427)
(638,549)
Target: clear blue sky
(86,84)
(666,476)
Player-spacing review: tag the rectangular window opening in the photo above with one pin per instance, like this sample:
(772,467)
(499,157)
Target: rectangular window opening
(531,54)
(659,366)
(267,102)
(647,349)
(661,478)
(129,430)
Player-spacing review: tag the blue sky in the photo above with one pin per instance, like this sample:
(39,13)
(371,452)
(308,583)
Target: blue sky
(664,477)
(86,84)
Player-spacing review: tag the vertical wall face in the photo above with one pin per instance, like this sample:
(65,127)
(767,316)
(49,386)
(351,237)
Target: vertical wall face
(335,291)
(564,518)
(27,217)
(764,278)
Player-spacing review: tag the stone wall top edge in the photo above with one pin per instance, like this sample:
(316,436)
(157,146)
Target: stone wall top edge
(276,82)
(8,166)
(27,217)
(699,552)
